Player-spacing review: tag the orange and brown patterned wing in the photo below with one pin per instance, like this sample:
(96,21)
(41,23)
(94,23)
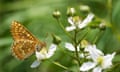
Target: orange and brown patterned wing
(22,49)
(24,43)
(20,32)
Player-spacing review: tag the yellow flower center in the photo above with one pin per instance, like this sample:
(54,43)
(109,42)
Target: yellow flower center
(76,20)
(43,51)
(84,43)
(100,60)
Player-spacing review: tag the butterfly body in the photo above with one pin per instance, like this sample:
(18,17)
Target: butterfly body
(25,43)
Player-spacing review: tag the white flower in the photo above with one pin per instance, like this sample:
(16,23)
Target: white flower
(87,20)
(43,54)
(87,66)
(70,47)
(77,23)
(100,61)
(93,51)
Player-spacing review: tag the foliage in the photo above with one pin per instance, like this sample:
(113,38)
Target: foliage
(36,15)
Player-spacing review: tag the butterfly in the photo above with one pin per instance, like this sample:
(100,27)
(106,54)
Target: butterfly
(25,44)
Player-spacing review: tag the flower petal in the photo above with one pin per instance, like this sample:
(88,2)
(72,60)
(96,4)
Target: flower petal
(108,60)
(70,28)
(87,66)
(86,21)
(97,69)
(70,20)
(94,52)
(35,64)
(51,50)
(69,46)
(40,55)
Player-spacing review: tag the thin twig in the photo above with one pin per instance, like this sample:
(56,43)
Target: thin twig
(76,50)
(61,25)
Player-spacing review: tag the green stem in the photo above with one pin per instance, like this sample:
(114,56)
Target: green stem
(76,50)
(83,37)
(62,66)
(66,52)
(97,38)
(110,9)
(61,25)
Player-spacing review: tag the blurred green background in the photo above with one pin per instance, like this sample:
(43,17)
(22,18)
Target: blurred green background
(36,15)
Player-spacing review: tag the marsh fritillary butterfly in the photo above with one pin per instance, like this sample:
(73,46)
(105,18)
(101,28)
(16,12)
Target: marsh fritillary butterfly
(25,43)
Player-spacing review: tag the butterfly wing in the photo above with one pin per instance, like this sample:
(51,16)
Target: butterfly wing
(20,32)
(24,42)
(22,49)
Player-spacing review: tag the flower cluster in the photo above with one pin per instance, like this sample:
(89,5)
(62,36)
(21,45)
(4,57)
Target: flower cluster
(87,55)
(77,23)
(94,59)
(99,60)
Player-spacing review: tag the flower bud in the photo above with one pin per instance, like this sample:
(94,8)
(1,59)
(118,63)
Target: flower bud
(84,43)
(56,14)
(84,8)
(56,39)
(102,26)
(71,11)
